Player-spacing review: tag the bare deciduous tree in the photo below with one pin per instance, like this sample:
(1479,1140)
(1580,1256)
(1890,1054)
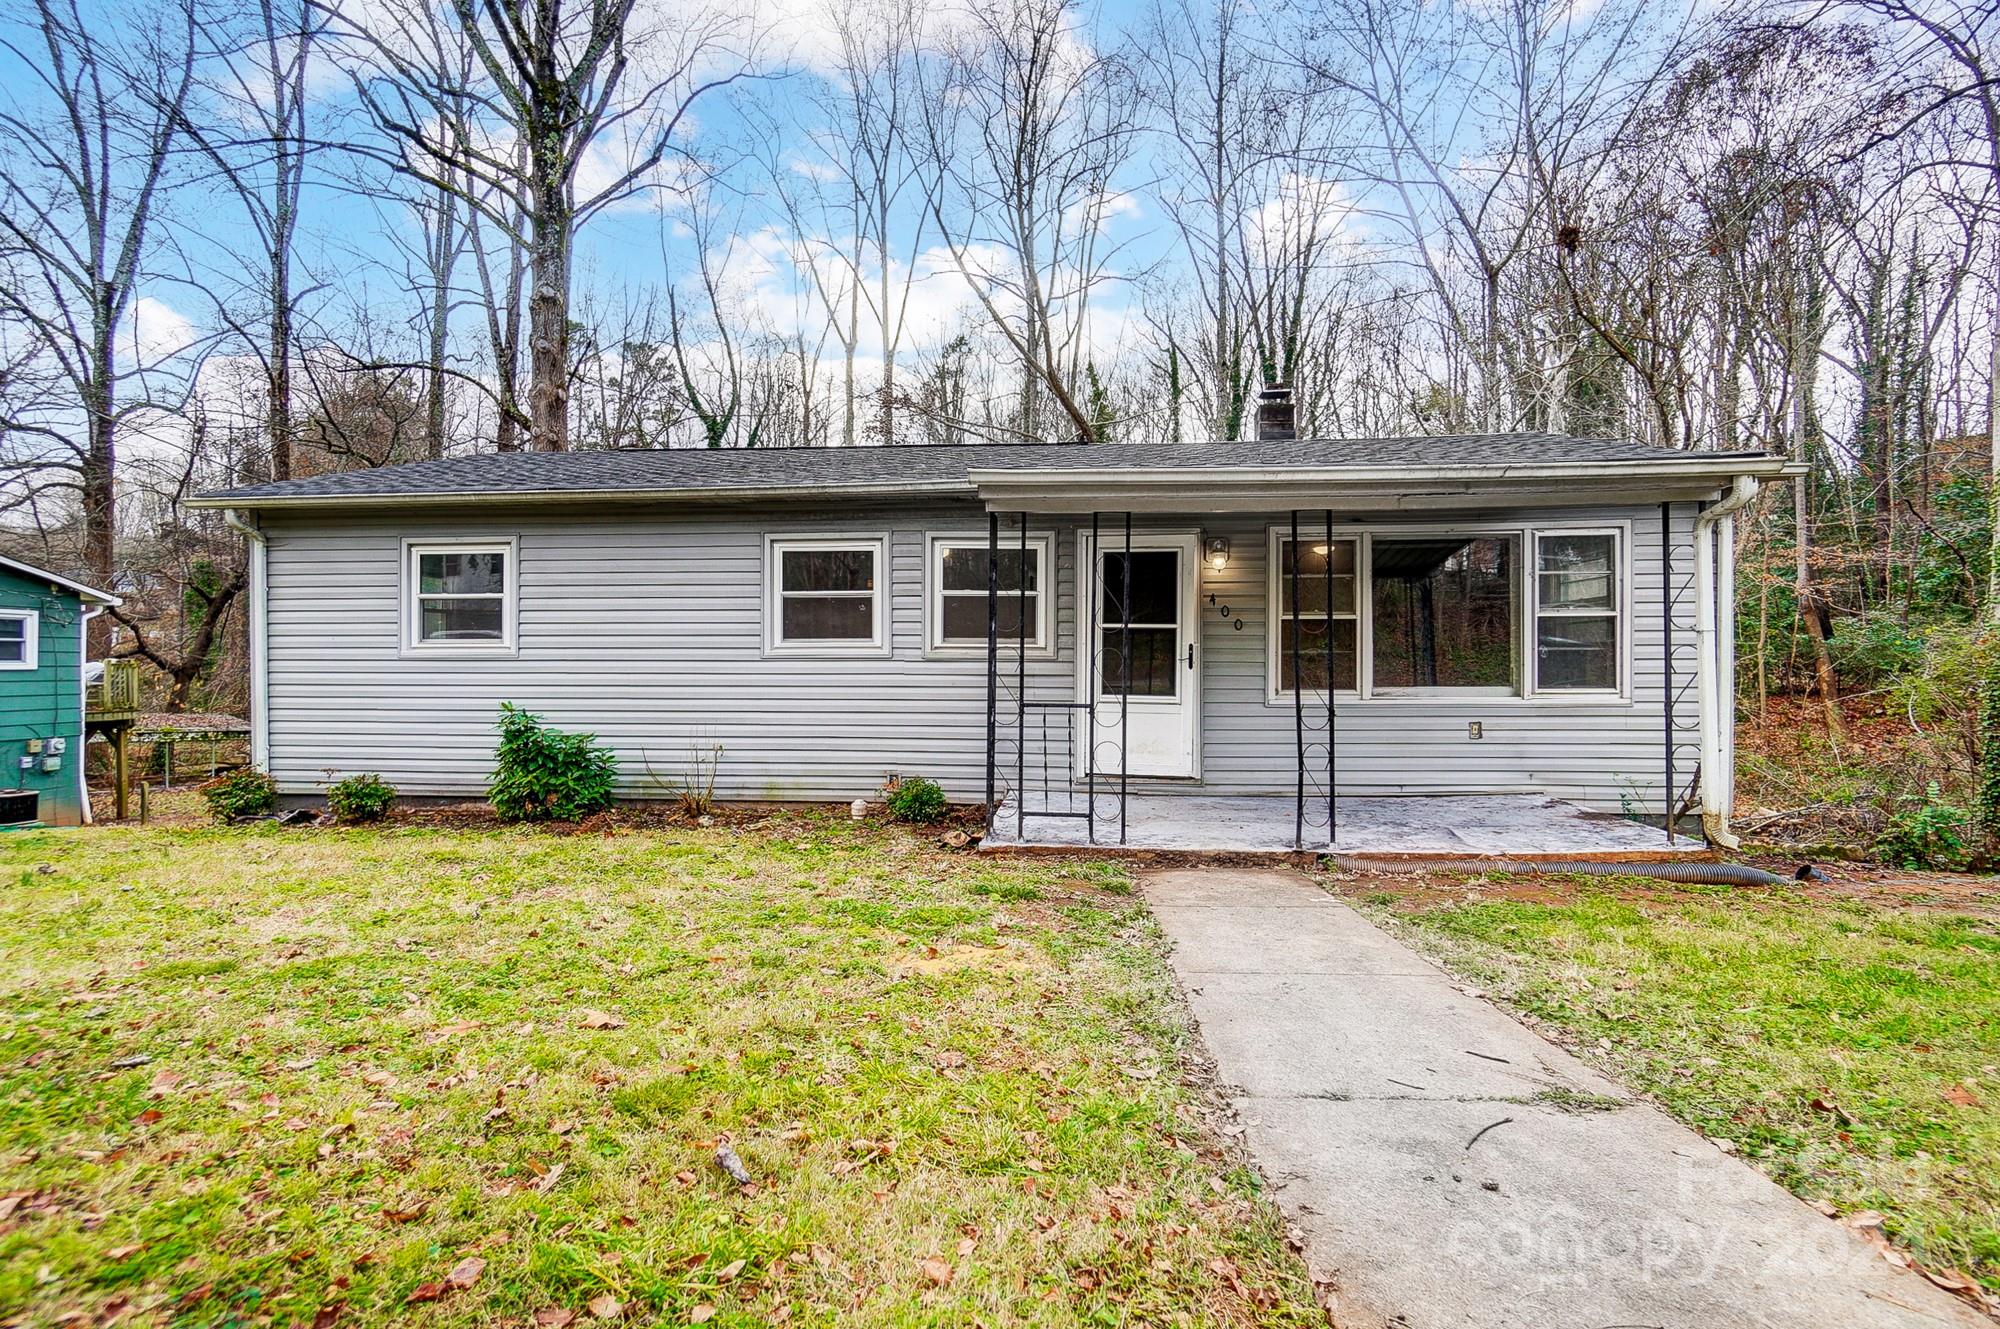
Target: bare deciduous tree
(554,86)
(1028,129)
(80,184)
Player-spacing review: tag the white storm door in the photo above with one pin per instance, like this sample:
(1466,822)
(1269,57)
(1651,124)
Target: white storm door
(1163,701)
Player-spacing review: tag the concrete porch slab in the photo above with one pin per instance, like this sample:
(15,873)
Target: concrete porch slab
(1446,826)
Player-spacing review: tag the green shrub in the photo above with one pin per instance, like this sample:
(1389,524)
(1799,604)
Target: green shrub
(916,800)
(542,773)
(360,798)
(1930,835)
(244,793)
(1874,648)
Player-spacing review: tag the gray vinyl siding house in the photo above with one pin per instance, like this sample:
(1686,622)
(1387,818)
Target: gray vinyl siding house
(674,602)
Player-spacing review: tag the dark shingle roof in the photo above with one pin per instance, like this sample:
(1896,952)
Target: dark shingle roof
(696,470)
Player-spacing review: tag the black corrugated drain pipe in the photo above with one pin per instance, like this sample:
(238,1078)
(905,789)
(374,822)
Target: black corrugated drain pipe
(1691,873)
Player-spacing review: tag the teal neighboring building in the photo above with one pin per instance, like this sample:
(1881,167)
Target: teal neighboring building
(42,693)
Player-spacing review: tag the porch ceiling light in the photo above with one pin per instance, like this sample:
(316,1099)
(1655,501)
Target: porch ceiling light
(1216,550)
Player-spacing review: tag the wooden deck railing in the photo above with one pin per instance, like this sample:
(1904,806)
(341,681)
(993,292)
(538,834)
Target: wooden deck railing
(115,696)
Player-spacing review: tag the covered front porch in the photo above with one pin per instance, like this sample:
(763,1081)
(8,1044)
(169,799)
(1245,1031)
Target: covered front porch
(1514,826)
(1292,661)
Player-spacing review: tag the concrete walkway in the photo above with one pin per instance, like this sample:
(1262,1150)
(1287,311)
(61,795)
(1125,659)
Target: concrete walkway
(1451,1167)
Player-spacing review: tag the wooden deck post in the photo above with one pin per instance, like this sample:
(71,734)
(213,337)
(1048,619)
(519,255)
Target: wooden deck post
(120,770)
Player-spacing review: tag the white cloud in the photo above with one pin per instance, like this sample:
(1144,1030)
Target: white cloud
(153,330)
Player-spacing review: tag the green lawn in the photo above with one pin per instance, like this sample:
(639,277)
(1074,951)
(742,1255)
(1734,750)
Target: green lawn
(465,1076)
(1853,1052)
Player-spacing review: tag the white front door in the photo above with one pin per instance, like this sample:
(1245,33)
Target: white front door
(1162,706)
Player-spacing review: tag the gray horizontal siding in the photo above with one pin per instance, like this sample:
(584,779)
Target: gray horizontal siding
(648,631)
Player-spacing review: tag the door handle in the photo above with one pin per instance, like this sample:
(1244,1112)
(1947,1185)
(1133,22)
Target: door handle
(1190,655)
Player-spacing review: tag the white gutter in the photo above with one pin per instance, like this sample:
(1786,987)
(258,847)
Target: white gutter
(260,624)
(1720,465)
(537,497)
(1725,649)
(1716,749)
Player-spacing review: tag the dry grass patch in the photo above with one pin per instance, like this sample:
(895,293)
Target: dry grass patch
(459,1077)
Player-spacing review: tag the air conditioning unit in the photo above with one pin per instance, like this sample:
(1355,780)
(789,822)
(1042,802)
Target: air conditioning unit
(19,806)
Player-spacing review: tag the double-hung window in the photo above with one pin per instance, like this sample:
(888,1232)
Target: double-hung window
(18,631)
(961,569)
(825,595)
(1577,595)
(460,596)
(1300,647)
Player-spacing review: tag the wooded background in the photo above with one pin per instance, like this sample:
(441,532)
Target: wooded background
(250,239)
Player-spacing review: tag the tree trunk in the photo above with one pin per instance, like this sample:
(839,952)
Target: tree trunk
(507,356)
(1993,449)
(278,390)
(1813,611)
(889,342)
(548,323)
(445,245)
(100,466)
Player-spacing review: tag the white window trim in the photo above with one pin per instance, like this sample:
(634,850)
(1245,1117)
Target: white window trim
(775,546)
(1620,611)
(508,645)
(1041,643)
(1529,534)
(31,640)
(1274,630)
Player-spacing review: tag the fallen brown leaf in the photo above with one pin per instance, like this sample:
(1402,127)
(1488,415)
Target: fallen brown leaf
(937,1270)
(554,1317)
(424,1292)
(602,1020)
(701,1314)
(1961,1096)
(328,1315)
(466,1272)
(606,1307)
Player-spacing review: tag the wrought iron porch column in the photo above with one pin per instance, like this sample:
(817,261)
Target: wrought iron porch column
(1298,697)
(1332,781)
(1021,691)
(992,665)
(1667,660)
(1125,684)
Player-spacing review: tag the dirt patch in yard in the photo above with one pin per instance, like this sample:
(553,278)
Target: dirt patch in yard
(1852,883)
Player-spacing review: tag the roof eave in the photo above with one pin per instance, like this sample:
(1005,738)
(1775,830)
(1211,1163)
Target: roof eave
(1374,488)
(88,594)
(573,497)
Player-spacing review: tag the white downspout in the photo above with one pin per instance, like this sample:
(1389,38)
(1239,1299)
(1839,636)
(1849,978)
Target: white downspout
(260,676)
(1725,649)
(83,706)
(1716,754)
